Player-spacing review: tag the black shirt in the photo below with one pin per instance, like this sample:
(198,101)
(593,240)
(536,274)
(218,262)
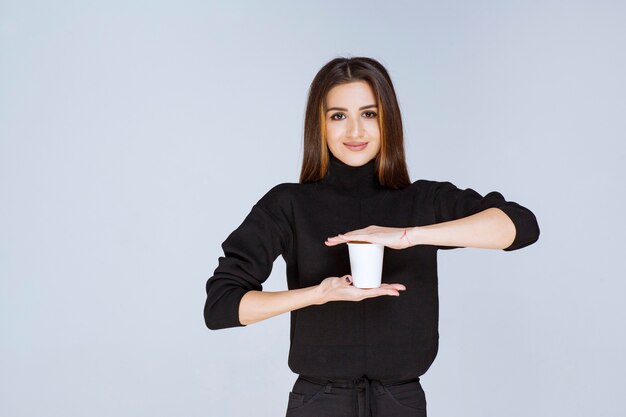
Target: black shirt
(381,337)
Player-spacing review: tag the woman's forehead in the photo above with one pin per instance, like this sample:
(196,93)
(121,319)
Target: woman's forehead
(351,93)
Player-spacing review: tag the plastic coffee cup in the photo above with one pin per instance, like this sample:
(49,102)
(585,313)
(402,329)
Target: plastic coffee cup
(366,263)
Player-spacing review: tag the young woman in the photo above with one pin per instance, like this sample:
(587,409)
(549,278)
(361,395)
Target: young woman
(356,351)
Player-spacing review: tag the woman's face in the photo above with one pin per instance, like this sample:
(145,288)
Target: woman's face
(352,130)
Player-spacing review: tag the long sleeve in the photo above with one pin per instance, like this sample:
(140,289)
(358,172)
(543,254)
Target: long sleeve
(249,254)
(451,203)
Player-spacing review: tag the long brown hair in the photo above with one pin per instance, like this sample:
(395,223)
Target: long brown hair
(390,161)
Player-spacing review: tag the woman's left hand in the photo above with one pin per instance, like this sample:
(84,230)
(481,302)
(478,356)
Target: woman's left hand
(392,237)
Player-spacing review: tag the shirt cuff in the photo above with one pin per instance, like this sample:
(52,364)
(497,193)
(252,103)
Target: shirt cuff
(227,314)
(526,227)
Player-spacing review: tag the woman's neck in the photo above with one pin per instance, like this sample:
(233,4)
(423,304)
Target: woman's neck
(361,181)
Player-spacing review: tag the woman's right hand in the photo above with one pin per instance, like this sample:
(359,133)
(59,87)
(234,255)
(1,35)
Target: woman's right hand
(341,289)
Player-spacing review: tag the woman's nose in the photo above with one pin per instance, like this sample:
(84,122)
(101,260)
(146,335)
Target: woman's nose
(355,130)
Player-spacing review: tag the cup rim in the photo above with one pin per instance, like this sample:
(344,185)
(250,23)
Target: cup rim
(364,243)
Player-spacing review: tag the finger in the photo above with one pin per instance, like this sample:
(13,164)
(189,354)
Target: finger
(388,292)
(338,238)
(376,292)
(395,285)
(335,243)
(360,237)
(350,236)
(398,287)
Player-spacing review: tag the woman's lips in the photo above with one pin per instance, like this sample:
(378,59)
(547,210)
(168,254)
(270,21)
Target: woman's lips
(356,146)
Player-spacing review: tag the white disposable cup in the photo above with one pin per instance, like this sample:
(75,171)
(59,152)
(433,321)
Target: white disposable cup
(366,264)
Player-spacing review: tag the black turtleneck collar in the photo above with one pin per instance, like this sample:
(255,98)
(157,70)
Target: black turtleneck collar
(361,181)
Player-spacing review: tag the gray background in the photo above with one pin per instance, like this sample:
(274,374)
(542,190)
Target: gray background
(135,136)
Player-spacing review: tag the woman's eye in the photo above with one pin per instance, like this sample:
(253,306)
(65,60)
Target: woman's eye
(340,116)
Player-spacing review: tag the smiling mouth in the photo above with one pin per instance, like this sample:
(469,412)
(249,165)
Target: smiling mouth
(356,146)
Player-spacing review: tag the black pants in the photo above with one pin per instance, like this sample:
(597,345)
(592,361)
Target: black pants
(361,397)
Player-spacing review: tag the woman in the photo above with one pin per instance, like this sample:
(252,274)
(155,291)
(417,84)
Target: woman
(356,351)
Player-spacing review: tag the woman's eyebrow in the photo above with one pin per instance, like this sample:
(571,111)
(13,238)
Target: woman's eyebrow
(360,108)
